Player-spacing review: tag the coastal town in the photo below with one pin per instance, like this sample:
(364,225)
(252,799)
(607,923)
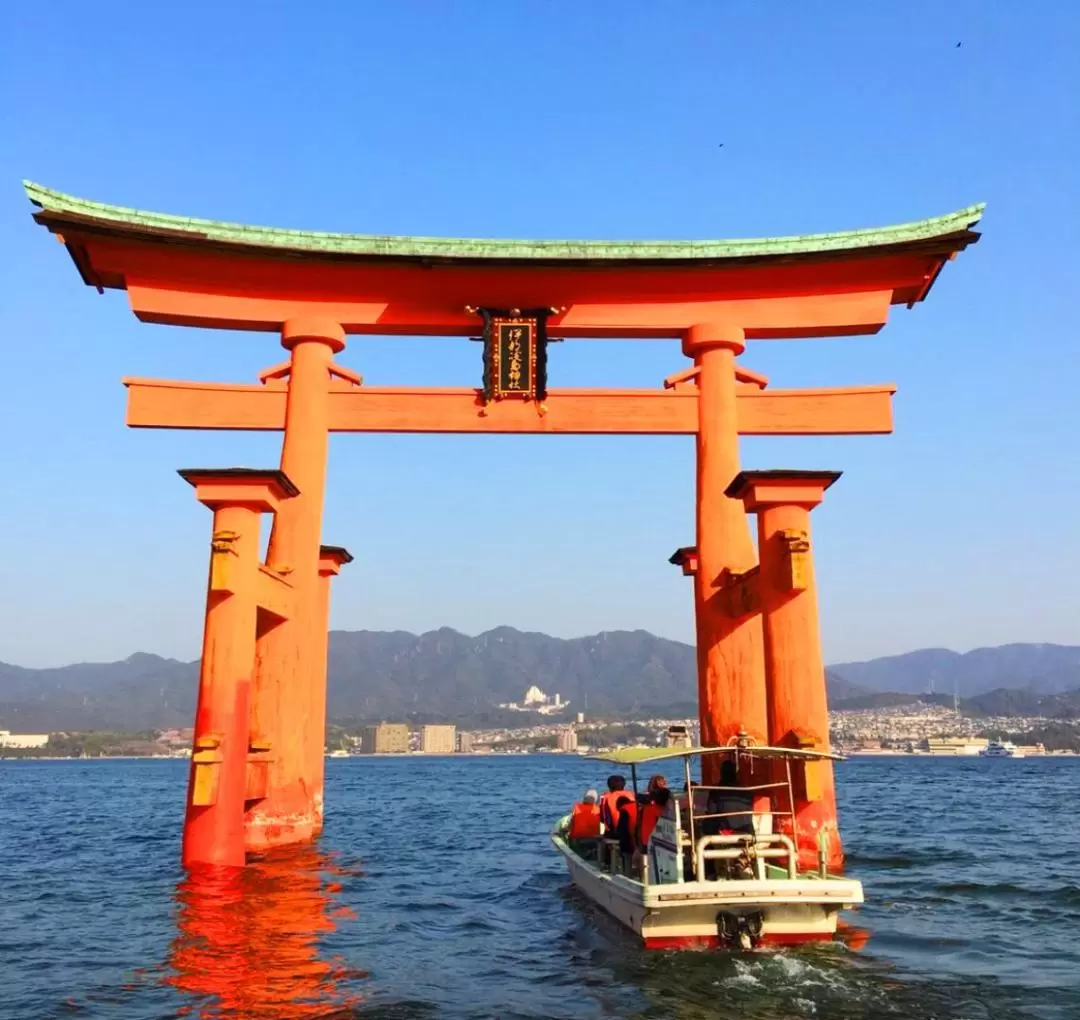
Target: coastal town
(920,728)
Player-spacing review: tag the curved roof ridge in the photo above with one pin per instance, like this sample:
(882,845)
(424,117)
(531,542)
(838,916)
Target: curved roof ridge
(57,204)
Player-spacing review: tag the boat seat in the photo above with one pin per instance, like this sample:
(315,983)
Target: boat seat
(610,854)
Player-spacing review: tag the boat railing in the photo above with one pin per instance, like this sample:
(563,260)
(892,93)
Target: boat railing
(732,847)
(762,819)
(734,814)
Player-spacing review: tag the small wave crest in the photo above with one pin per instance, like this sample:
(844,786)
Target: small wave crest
(1064,896)
(908,859)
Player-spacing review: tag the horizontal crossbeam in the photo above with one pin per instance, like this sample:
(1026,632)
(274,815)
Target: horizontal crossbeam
(740,595)
(156,403)
(431,305)
(274,594)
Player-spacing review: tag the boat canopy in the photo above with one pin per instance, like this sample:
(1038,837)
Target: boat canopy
(640,755)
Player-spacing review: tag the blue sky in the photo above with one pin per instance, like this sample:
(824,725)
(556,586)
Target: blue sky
(960,530)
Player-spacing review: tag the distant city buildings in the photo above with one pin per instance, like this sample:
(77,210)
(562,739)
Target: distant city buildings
(566,740)
(22,741)
(438,739)
(924,728)
(536,700)
(177,737)
(927,729)
(386,738)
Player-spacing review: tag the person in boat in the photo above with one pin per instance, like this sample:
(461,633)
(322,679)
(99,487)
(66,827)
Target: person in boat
(729,801)
(583,833)
(626,830)
(651,813)
(609,814)
(735,807)
(648,816)
(655,783)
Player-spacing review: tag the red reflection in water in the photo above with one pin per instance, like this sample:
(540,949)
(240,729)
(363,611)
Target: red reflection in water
(853,937)
(248,941)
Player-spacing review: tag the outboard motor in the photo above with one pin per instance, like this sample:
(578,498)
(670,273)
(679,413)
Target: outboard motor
(739,931)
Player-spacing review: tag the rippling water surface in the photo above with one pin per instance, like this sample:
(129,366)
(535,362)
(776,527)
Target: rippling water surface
(434,893)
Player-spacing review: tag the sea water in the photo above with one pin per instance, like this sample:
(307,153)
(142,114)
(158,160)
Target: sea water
(434,892)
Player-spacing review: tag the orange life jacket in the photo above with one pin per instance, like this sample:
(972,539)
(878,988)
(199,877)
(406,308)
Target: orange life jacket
(650,815)
(630,809)
(585,821)
(608,815)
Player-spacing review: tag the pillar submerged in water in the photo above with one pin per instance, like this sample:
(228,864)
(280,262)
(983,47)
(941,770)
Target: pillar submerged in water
(795,694)
(246,753)
(257,762)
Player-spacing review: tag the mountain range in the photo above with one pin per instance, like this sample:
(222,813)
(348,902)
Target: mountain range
(447,675)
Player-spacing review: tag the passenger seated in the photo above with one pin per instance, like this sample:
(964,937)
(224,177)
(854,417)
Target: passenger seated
(651,813)
(727,802)
(626,829)
(655,783)
(583,834)
(609,814)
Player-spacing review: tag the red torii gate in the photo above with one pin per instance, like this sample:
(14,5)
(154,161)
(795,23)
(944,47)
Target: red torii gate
(257,764)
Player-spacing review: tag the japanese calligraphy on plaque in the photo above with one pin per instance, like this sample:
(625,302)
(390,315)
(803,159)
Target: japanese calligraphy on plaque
(513,357)
(515,354)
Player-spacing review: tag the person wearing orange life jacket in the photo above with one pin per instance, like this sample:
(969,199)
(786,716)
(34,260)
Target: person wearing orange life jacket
(651,813)
(609,814)
(626,829)
(655,783)
(583,832)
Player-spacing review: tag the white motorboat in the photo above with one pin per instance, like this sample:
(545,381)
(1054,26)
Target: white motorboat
(1001,749)
(691,890)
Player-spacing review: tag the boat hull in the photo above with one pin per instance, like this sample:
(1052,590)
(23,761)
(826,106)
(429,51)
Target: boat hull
(687,915)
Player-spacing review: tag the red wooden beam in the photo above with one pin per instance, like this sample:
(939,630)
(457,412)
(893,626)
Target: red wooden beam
(157,403)
(422,313)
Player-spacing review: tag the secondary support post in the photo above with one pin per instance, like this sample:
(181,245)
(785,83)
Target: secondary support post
(731,676)
(290,668)
(217,787)
(331,559)
(795,673)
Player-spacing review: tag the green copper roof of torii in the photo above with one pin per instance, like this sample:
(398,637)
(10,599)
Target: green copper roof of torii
(98,214)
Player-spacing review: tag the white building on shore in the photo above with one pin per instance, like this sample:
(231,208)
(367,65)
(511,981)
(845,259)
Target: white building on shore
(536,700)
(23,741)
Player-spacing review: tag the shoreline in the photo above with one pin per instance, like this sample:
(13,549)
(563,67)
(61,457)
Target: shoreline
(506,754)
(929,754)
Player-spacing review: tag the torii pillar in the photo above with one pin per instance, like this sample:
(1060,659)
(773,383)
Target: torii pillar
(240,593)
(290,671)
(331,559)
(798,709)
(731,671)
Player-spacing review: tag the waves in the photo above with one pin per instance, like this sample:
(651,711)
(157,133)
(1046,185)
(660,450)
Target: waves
(434,893)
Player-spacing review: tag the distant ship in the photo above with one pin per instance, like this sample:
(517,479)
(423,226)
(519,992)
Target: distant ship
(338,753)
(1001,749)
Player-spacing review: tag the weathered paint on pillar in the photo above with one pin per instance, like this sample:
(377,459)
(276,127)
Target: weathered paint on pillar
(331,559)
(731,680)
(214,819)
(290,670)
(794,667)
